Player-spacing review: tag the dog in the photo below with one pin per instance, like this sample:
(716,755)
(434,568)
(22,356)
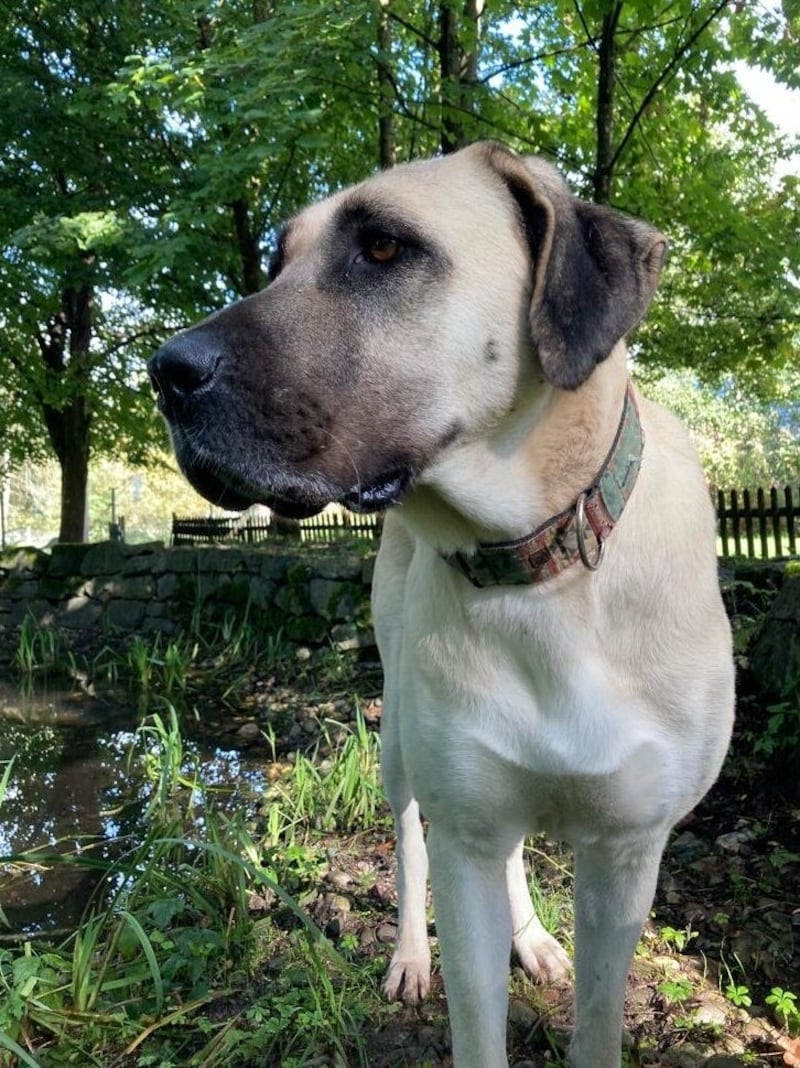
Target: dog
(447,341)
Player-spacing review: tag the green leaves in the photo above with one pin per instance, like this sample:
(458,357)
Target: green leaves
(63,239)
(150,153)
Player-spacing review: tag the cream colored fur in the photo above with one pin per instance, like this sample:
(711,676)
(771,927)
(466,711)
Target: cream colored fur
(595,707)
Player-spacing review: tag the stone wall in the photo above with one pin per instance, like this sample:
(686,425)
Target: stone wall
(311,594)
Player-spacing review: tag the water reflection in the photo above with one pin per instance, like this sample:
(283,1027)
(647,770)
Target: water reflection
(79,786)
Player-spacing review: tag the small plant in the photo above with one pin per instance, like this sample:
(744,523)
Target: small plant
(679,938)
(339,793)
(738,995)
(335,666)
(139,661)
(784,1005)
(676,990)
(177,659)
(174,773)
(782,732)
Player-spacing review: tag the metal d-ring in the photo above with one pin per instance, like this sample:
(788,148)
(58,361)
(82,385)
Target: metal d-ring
(580,534)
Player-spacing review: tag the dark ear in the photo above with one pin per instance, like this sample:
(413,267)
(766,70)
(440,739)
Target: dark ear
(594,269)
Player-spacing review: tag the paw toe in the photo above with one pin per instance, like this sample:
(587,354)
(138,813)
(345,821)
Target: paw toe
(407,981)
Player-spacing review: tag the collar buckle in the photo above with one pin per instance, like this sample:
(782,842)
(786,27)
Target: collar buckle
(581,520)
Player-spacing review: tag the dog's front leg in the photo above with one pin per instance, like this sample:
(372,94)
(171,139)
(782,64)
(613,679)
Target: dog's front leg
(539,954)
(408,974)
(473,923)
(614,886)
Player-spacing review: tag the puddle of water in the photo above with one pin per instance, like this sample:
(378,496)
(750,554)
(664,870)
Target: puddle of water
(78,777)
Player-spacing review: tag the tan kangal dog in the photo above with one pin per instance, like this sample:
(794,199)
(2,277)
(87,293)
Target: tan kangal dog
(448,338)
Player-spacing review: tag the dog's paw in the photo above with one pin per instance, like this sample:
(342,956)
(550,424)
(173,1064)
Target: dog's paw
(407,980)
(541,956)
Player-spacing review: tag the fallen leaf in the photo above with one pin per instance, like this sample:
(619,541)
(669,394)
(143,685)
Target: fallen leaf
(792,1054)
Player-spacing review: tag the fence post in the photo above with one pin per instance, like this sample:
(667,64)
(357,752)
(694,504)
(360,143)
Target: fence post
(747,512)
(761,515)
(737,534)
(722,517)
(790,512)
(775,515)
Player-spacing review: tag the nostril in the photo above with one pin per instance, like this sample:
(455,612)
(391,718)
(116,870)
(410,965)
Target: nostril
(183,366)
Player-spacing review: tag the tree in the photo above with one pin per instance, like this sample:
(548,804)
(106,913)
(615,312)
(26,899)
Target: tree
(743,441)
(68,176)
(150,154)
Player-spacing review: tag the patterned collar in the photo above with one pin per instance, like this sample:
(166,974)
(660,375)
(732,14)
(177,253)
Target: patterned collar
(578,533)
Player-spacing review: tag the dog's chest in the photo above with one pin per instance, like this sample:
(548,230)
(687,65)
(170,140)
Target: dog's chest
(509,704)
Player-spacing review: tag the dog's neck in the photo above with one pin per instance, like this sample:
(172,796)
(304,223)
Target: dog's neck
(530,467)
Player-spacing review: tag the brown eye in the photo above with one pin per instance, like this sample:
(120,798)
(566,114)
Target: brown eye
(383,249)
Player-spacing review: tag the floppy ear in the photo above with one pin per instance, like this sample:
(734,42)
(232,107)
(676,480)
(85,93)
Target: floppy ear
(594,269)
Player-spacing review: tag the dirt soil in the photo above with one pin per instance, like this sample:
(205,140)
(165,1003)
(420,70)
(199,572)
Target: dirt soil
(726,916)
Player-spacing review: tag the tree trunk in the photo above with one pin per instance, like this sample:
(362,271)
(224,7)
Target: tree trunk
(75,473)
(604,118)
(249,242)
(387,146)
(65,352)
(459,43)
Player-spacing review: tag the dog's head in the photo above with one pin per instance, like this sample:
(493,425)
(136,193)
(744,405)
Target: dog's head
(402,316)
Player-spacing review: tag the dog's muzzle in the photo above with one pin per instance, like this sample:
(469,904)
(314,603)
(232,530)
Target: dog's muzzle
(185,374)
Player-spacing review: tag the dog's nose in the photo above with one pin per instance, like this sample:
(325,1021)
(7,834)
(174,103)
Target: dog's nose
(185,364)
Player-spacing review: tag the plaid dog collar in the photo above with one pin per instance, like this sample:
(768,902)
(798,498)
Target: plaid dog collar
(578,533)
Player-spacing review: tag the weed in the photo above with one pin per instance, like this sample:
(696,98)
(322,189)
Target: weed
(738,995)
(676,990)
(679,938)
(781,735)
(553,901)
(784,1005)
(339,793)
(42,651)
(335,666)
(173,773)
(159,668)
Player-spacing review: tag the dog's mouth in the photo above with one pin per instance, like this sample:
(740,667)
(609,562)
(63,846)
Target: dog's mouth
(380,494)
(296,498)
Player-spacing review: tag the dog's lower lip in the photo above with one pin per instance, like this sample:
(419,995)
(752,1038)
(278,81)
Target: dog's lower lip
(380,494)
(291,509)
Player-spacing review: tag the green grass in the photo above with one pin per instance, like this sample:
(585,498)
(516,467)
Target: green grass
(341,791)
(42,652)
(168,965)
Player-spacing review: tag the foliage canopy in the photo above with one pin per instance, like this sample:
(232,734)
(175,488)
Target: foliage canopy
(150,152)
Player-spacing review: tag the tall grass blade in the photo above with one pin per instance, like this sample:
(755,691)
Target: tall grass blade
(6,1042)
(150,957)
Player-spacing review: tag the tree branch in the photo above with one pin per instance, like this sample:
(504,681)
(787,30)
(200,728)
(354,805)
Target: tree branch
(663,78)
(537,58)
(129,339)
(419,34)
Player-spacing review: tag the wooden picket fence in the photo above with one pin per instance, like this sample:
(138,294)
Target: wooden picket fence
(764,523)
(327,526)
(761,524)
